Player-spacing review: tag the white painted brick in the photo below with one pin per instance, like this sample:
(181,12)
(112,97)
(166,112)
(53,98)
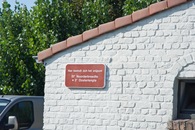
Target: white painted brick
(145,71)
(129,78)
(132,118)
(147,65)
(158,52)
(157,40)
(50,127)
(141,84)
(133,91)
(115,66)
(121,59)
(115,78)
(168,99)
(142,78)
(192,32)
(150,91)
(185,26)
(136,97)
(150,85)
(124,46)
(140,58)
(141,47)
(131,65)
(166,105)
(143,33)
(79,54)
(174,39)
(158,46)
(125,41)
(109,53)
(161,112)
(93,47)
(185,33)
(135,34)
(124,53)
(116,47)
(108,47)
(132,47)
(136,125)
(159,98)
(153,118)
(167,46)
(189,39)
(175,52)
(156,105)
(119,35)
(153,112)
(151,33)
(143,105)
(86,48)
(113,128)
(149,58)
(141,40)
(167,26)
(175,19)
(188,59)
(115,91)
(93,53)
(182,62)
(175,45)
(137,71)
(128,104)
(166,91)
(145,111)
(150,27)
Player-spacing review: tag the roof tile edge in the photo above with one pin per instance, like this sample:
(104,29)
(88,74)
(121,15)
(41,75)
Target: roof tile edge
(123,21)
(89,34)
(140,14)
(172,3)
(59,47)
(108,27)
(74,40)
(158,7)
(44,54)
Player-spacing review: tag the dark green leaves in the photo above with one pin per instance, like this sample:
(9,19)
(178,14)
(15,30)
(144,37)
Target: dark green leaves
(23,33)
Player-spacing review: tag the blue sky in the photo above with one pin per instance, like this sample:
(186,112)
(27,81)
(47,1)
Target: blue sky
(28,3)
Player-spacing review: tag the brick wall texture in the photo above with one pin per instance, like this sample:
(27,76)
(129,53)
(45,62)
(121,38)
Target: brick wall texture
(143,62)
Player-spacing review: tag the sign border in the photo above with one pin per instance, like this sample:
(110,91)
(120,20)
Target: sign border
(75,87)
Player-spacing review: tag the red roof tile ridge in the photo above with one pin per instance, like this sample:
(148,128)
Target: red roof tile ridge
(108,27)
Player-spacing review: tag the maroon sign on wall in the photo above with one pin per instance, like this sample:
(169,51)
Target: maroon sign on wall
(85,75)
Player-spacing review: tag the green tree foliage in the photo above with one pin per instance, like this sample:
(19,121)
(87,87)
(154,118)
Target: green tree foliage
(132,5)
(19,74)
(23,33)
(95,13)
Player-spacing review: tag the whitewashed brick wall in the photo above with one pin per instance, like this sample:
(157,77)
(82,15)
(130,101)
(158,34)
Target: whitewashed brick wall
(143,61)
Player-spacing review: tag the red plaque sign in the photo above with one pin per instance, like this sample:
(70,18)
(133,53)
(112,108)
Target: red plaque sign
(85,75)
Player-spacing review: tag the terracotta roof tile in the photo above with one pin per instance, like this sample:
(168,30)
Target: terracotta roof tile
(44,54)
(89,34)
(172,3)
(74,40)
(58,47)
(110,26)
(140,14)
(107,27)
(123,21)
(158,7)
